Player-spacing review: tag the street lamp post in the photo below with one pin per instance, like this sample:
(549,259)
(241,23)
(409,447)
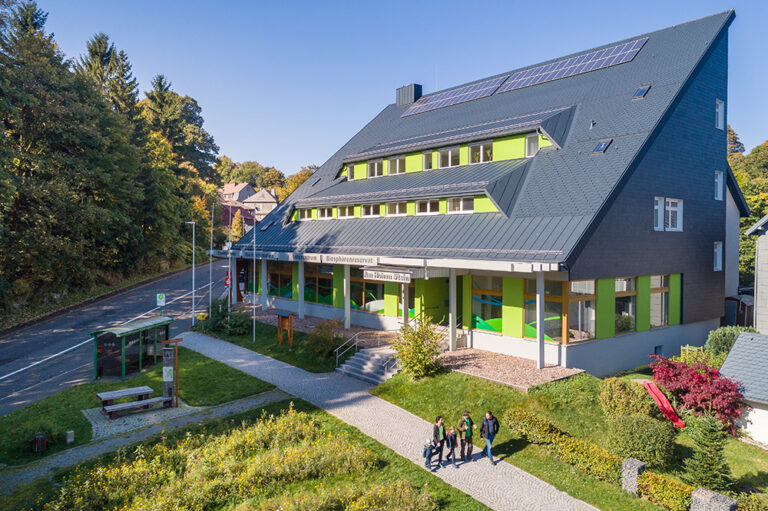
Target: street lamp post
(193,271)
(253,293)
(210,265)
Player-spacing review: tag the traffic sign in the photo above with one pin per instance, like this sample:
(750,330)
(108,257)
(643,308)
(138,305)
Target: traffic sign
(227,281)
(161,299)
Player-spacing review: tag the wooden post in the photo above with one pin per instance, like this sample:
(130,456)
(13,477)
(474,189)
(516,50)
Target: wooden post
(169,375)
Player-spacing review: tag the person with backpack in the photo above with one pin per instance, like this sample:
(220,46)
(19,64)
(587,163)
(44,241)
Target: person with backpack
(465,427)
(488,430)
(438,440)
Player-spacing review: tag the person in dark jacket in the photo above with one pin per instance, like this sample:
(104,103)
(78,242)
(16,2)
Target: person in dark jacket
(465,427)
(438,440)
(488,430)
(450,444)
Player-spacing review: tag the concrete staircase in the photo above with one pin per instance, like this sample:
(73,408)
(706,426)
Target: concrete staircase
(374,365)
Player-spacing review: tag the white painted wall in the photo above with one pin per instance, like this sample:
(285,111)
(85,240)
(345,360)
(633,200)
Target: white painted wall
(366,319)
(754,421)
(761,284)
(731,250)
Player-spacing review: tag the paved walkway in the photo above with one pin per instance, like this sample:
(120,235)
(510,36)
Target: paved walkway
(502,487)
(12,477)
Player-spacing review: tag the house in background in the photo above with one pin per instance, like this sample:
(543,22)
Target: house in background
(746,363)
(578,212)
(761,274)
(236,192)
(261,203)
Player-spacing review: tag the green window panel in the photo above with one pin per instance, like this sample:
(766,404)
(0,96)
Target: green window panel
(391,291)
(509,148)
(435,159)
(382,210)
(414,162)
(484,205)
(358,211)
(544,141)
(338,287)
(464,155)
(418,298)
(314,214)
(675,298)
(361,170)
(335,212)
(385,167)
(606,308)
(411,208)
(513,308)
(643,303)
(295,281)
(443,206)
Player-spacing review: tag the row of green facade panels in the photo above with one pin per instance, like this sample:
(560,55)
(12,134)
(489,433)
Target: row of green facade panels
(504,148)
(573,311)
(479,204)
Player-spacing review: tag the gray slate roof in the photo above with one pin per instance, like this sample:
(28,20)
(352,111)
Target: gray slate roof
(561,191)
(746,363)
(758,228)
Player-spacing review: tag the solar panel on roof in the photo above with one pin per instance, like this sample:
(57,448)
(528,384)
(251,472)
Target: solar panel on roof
(577,65)
(456,96)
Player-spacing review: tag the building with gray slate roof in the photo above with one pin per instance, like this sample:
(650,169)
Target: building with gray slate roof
(578,212)
(746,363)
(760,309)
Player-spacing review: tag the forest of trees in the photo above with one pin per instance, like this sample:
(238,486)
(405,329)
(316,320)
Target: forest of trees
(96,181)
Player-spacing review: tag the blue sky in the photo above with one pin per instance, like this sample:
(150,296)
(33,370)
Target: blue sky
(287,83)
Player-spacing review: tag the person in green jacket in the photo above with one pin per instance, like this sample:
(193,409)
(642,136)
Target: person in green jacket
(465,427)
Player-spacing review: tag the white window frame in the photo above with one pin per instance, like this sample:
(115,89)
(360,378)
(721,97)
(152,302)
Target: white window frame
(370,210)
(462,208)
(719,188)
(718,255)
(720,114)
(396,204)
(427,157)
(305,214)
(482,145)
(450,150)
(530,136)
(396,161)
(660,215)
(349,212)
(351,172)
(378,166)
(429,203)
(325,213)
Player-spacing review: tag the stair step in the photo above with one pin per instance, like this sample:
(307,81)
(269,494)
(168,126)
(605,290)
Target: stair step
(375,379)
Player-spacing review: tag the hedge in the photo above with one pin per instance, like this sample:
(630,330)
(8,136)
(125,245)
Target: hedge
(664,491)
(588,457)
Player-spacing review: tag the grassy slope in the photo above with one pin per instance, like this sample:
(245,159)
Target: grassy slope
(266,344)
(393,468)
(572,405)
(202,381)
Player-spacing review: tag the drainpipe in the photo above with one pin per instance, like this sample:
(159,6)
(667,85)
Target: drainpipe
(540,320)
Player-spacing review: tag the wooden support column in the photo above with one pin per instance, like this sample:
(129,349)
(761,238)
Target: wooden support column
(301,289)
(540,320)
(452,309)
(263,284)
(347,298)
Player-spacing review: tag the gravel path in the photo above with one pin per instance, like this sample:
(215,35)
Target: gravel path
(514,371)
(502,487)
(13,477)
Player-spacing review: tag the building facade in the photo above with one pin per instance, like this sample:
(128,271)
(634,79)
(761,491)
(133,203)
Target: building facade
(578,212)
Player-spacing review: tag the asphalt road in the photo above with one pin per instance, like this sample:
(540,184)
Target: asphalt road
(39,341)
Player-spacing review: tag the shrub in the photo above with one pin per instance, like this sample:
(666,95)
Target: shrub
(238,324)
(324,338)
(721,340)
(418,348)
(664,491)
(707,467)
(620,397)
(694,357)
(585,456)
(701,389)
(642,437)
(751,502)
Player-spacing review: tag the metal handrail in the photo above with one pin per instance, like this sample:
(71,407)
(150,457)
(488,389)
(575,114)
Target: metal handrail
(355,340)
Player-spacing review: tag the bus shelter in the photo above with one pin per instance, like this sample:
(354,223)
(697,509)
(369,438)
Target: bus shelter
(127,348)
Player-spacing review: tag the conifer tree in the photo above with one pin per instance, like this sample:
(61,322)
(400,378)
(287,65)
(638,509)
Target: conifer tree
(707,467)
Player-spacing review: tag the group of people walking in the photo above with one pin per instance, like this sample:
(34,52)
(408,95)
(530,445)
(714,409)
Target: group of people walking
(449,439)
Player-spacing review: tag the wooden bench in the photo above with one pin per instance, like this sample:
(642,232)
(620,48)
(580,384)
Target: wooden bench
(112,410)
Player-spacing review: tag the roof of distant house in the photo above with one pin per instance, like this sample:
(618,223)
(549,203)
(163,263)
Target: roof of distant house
(746,363)
(233,187)
(262,195)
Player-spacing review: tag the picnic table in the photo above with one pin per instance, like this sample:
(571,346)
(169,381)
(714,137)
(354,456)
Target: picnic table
(142,401)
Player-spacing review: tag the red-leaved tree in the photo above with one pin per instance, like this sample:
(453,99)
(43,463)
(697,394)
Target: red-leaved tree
(700,388)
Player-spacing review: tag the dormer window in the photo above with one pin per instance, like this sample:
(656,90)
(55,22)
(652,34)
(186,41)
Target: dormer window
(397,165)
(325,213)
(375,168)
(531,145)
(370,210)
(428,207)
(481,152)
(397,209)
(305,214)
(427,160)
(458,205)
(346,211)
(449,157)
(350,172)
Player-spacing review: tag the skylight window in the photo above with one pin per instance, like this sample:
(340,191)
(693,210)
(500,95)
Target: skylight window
(641,92)
(602,146)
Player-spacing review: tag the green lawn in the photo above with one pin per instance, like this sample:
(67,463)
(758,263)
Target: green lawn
(572,405)
(266,344)
(202,382)
(391,466)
